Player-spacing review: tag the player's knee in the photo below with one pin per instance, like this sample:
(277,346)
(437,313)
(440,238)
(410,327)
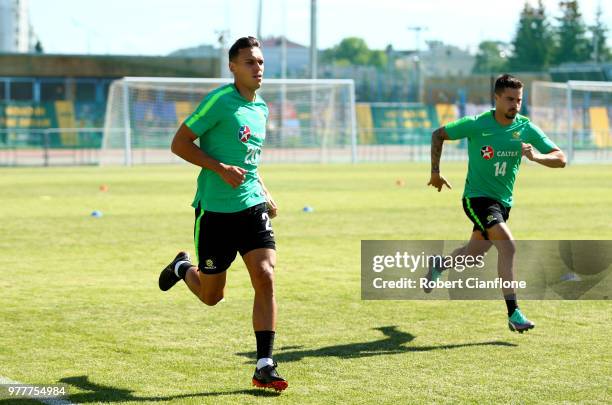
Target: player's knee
(211,299)
(475,248)
(506,248)
(264,277)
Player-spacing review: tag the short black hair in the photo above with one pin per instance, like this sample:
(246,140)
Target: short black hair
(507,81)
(241,43)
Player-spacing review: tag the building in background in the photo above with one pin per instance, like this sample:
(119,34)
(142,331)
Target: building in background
(16,33)
(298,56)
(446,60)
(201,51)
(439,59)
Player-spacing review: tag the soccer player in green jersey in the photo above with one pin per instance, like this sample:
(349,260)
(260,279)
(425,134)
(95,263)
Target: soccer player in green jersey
(233,207)
(497,140)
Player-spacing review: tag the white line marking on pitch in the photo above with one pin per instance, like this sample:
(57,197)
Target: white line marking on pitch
(48,401)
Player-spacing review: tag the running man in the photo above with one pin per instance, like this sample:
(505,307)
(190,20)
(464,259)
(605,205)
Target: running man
(233,207)
(497,140)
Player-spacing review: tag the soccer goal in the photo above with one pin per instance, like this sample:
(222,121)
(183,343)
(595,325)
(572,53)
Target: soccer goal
(309,121)
(577,116)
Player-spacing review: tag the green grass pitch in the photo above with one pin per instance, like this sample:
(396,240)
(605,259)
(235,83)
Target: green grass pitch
(79,302)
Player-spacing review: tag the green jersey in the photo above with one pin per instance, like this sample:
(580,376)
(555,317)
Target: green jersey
(495,152)
(231,130)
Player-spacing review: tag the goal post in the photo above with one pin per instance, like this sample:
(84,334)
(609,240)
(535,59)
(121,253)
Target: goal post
(576,115)
(310,120)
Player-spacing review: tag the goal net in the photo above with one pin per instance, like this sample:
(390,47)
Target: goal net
(576,115)
(309,121)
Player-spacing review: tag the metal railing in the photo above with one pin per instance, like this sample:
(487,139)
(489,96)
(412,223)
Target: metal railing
(51,146)
(87,146)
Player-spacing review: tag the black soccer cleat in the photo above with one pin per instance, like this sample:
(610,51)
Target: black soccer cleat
(267,377)
(167,278)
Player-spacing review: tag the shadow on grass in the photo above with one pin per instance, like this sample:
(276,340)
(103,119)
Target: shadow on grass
(106,394)
(394,342)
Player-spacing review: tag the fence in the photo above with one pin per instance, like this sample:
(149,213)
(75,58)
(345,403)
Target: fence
(386,132)
(50,147)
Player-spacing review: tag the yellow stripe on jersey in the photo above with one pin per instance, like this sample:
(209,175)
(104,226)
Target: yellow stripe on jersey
(199,114)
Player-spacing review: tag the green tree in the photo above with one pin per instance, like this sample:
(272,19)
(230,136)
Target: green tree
(491,57)
(378,59)
(600,52)
(572,43)
(533,44)
(354,51)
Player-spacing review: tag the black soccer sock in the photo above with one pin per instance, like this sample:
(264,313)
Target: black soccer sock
(265,343)
(182,270)
(511,304)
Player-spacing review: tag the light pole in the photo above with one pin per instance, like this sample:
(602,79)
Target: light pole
(223,57)
(417,33)
(313,66)
(259,16)
(313,39)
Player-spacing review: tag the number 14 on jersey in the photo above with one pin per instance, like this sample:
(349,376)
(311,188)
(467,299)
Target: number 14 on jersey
(500,169)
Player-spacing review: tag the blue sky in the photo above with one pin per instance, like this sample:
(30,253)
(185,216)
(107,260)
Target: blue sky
(157,27)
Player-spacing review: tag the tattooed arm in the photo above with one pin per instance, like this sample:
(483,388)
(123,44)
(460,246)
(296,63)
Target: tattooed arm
(437,141)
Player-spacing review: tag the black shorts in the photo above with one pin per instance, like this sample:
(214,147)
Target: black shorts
(485,212)
(218,236)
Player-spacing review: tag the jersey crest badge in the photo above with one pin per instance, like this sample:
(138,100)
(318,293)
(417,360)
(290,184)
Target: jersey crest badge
(487,152)
(244,133)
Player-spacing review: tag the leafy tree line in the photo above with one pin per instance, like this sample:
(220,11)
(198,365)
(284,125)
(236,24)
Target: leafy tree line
(539,44)
(354,51)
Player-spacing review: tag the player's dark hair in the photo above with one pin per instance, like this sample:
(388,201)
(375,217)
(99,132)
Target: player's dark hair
(241,43)
(507,81)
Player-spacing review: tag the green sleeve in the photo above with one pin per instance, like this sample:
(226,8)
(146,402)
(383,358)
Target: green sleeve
(462,128)
(206,116)
(537,138)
